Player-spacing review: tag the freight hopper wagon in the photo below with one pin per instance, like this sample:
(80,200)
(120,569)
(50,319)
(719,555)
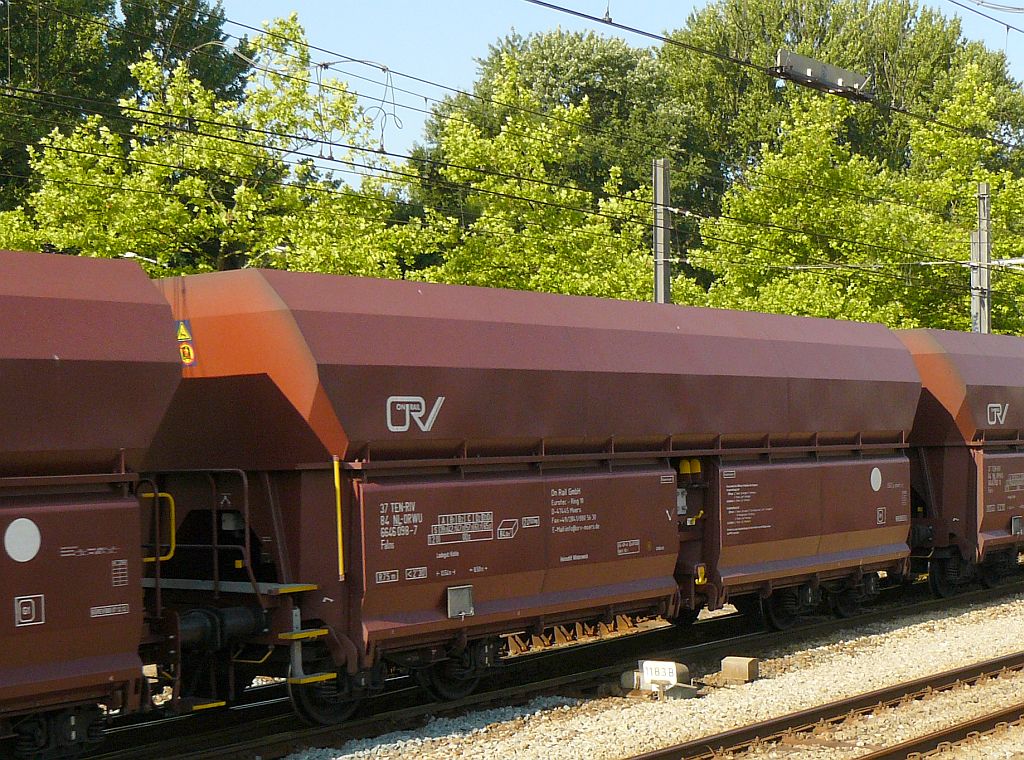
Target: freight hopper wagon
(87,368)
(967,463)
(430,478)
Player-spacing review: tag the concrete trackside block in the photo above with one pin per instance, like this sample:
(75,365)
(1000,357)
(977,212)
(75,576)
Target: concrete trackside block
(739,669)
(655,674)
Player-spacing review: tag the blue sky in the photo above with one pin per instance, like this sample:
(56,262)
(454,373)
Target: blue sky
(440,40)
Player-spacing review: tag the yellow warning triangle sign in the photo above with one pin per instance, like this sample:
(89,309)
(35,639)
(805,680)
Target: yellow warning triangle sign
(183,332)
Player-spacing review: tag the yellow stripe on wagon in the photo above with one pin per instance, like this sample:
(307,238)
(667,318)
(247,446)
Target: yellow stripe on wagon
(291,588)
(315,678)
(309,633)
(207,706)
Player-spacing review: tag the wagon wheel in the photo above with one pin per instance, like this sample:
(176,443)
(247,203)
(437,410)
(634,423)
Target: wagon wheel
(323,703)
(845,604)
(445,681)
(782,609)
(939,580)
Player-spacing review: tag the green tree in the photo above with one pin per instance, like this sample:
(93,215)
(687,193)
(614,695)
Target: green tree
(205,182)
(526,225)
(628,118)
(912,55)
(874,243)
(71,59)
(632,117)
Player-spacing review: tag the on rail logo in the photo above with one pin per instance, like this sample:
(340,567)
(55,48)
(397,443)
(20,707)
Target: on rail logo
(997,413)
(402,411)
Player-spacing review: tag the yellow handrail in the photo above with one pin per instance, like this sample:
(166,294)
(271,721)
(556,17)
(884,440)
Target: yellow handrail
(341,535)
(173,544)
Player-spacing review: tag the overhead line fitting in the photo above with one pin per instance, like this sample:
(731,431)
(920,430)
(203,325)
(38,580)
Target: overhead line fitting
(820,76)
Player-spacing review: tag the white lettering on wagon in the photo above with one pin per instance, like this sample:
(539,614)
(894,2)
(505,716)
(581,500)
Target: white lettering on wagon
(107,610)
(508,529)
(415,573)
(745,508)
(91,551)
(1014,482)
(402,411)
(569,513)
(630,546)
(397,520)
(462,527)
(118,572)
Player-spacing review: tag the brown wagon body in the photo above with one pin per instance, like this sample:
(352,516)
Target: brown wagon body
(968,467)
(509,461)
(86,373)
(358,476)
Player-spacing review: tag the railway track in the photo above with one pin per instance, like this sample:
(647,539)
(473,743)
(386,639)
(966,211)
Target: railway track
(940,740)
(988,726)
(268,728)
(788,729)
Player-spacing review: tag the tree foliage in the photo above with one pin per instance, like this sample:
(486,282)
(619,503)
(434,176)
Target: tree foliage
(69,60)
(785,200)
(911,54)
(629,121)
(202,182)
(527,226)
(827,231)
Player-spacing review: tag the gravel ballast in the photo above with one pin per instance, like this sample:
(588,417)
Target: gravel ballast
(861,660)
(908,721)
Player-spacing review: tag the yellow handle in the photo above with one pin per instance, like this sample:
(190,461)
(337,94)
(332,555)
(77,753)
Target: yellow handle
(337,517)
(172,521)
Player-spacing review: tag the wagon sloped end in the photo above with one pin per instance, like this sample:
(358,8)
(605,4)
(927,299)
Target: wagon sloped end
(88,363)
(88,366)
(967,467)
(973,385)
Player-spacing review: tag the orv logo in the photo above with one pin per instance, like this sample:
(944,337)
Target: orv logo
(405,410)
(997,413)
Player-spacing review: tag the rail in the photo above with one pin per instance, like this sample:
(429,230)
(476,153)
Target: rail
(738,739)
(927,746)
